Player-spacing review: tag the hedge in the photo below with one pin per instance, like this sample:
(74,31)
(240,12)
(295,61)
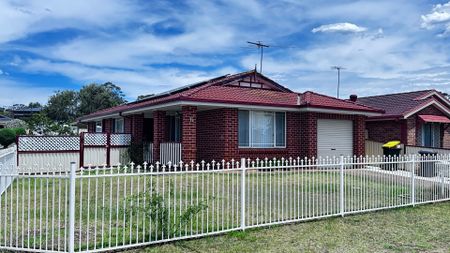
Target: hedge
(8,135)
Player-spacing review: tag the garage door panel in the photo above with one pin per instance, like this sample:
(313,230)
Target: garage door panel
(334,137)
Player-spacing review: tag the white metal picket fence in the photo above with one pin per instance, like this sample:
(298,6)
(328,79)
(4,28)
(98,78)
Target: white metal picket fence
(103,209)
(8,160)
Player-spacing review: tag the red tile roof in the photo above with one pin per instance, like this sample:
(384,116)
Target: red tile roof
(214,91)
(313,99)
(399,104)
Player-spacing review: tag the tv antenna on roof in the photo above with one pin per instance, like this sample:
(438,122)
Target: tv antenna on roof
(261,47)
(338,68)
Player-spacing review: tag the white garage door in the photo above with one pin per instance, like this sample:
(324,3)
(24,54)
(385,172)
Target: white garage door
(334,137)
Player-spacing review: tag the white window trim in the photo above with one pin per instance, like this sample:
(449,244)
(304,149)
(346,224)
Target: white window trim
(250,145)
(97,124)
(115,126)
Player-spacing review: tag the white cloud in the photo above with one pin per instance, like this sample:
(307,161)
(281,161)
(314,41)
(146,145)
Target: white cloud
(386,64)
(439,14)
(339,28)
(118,43)
(438,18)
(27,17)
(28,93)
(133,82)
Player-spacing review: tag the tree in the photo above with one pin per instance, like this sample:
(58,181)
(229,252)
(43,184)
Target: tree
(34,105)
(94,97)
(63,106)
(39,124)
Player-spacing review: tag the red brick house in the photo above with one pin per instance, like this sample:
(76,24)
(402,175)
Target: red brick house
(419,118)
(240,115)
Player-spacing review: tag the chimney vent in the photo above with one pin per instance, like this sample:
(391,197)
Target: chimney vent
(353,97)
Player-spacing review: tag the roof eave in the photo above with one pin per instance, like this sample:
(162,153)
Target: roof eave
(368,112)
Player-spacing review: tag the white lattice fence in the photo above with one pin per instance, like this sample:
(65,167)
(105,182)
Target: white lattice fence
(48,143)
(120,139)
(95,139)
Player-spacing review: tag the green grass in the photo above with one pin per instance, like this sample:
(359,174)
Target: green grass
(412,229)
(310,194)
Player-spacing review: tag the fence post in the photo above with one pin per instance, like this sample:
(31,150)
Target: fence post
(243,168)
(413,181)
(342,205)
(72,208)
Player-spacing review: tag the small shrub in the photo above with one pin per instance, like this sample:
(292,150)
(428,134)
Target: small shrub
(157,209)
(135,153)
(7,137)
(19,131)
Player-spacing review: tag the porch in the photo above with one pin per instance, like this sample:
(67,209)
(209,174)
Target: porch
(167,135)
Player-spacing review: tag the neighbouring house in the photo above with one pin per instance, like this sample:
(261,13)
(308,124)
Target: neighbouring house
(418,118)
(4,120)
(240,115)
(23,112)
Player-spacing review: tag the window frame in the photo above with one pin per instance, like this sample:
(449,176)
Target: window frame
(97,125)
(116,130)
(433,127)
(250,126)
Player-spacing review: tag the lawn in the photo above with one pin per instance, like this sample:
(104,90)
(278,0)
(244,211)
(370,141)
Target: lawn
(412,229)
(117,210)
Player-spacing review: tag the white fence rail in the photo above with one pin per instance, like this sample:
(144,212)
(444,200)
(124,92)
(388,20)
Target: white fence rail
(105,209)
(170,152)
(8,162)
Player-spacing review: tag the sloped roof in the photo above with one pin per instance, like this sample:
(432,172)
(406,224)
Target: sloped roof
(222,90)
(5,118)
(313,99)
(400,104)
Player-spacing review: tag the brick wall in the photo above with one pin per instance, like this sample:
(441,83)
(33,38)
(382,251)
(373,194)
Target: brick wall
(158,132)
(127,123)
(308,122)
(91,127)
(446,136)
(384,131)
(217,137)
(137,128)
(107,125)
(359,140)
(217,134)
(189,133)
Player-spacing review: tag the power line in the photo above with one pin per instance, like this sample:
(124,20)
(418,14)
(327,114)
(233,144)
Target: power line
(338,68)
(261,47)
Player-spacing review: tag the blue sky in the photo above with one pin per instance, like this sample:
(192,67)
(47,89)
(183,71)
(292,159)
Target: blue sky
(151,46)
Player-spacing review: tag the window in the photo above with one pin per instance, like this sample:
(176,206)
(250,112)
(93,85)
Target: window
(118,126)
(98,127)
(259,129)
(174,128)
(431,135)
